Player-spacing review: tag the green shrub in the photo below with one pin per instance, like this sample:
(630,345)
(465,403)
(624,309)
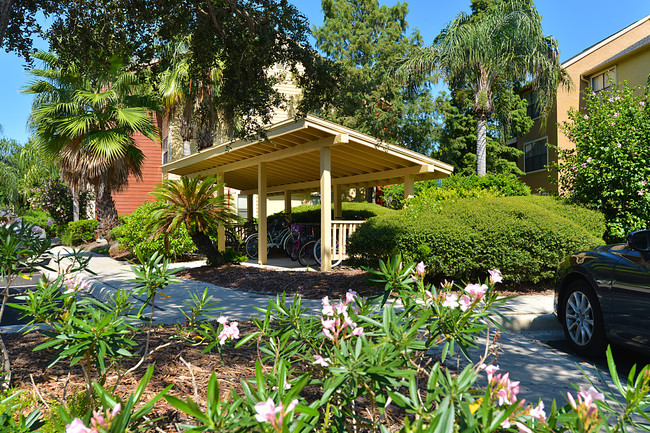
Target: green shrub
(82,231)
(524,237)
(40,218)
(350,211)
(608,170)
(457,186)
(135,236)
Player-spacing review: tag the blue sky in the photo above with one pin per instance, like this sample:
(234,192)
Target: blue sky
(575,24)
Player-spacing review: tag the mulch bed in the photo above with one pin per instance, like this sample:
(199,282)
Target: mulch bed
(313,284)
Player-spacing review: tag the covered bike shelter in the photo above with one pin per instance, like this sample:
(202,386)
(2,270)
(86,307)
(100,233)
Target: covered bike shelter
(308,154)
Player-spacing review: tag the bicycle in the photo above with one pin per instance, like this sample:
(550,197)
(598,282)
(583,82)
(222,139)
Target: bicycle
(275,237)
(310,254)
(300,234)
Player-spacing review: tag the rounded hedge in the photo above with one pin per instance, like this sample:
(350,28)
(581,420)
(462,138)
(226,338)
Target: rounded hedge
(350,211)
(524,237)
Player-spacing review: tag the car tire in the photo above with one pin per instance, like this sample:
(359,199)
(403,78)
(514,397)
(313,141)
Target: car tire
(582,319)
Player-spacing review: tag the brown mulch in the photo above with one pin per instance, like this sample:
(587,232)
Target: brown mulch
(313,284)
(309,284)
(59,383)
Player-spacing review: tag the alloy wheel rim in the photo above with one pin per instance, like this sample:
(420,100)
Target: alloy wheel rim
(579,317)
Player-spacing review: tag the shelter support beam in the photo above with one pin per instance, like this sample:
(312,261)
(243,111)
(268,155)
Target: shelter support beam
(409,186)
(326,208)
(221,231)
(287,202)
(261,211)
(250,207)
(338,210)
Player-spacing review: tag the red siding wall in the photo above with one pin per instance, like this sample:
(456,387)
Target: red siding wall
(137,192)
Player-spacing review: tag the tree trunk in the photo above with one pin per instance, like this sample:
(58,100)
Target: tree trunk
(481,144)
(5,15)
(105,210)
(75,203)
(204,245)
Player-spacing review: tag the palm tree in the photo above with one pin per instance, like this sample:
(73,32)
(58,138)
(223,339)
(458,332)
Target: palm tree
(197,204)
(192,99)
(88,124)
(503,47)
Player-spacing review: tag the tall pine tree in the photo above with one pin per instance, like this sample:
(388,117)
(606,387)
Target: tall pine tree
(366,40)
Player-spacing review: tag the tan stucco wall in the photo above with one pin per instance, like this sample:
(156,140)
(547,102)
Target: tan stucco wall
(633,67)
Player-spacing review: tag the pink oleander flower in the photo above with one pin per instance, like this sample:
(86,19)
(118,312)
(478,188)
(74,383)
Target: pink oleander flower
(447,284)
(341,308)
(586,117)
(328,323)
(77,426)
(451,301)
(641,103)
(222,320)
(616,114)
(267,411)
(619,145)
(230,331)
(523,428)
(489,370)
(464,302)
(641,192)
(583,165)
(349,296)
(643,183)
(358,331)
(538,412)
(495,276)
(589,159)
(590,395)
(327,310)
(476,291)
(323,362)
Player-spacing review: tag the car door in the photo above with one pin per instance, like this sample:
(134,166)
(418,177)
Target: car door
(631,296)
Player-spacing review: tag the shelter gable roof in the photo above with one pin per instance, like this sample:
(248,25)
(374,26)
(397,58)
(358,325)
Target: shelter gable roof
(292,151)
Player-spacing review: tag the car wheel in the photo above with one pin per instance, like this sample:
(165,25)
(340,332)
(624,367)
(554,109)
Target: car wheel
(582,319)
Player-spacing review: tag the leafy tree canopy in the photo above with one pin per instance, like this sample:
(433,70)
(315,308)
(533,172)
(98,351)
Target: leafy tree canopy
(366,40)
(247,36)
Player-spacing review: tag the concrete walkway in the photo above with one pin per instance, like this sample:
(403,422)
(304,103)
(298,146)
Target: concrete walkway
(524,313)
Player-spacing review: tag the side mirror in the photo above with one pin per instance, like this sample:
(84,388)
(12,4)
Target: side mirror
(639,240)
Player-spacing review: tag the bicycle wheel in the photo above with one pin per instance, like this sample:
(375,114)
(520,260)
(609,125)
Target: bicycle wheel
(336,256)
(289,241)
(306,254)
(251,247)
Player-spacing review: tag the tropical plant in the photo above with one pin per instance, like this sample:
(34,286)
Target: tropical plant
(505,46)
(191,98)
(199,206)
(88,123)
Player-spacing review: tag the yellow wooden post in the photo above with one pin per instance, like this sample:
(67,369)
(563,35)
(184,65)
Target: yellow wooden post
(409,186)
(221,231)
(250,208)
(338,210)
(287,202)
(326,208)
(261,213)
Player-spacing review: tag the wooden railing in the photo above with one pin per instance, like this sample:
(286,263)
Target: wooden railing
(341,231)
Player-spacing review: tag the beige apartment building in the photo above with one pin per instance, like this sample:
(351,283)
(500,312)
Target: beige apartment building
(624,56)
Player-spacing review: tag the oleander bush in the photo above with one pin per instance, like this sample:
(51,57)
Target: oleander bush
(524,237)
(428,193)
(350,211)
(608,170)
(82,231)
(136,236)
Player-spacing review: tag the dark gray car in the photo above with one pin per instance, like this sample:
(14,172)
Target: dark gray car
(604,294)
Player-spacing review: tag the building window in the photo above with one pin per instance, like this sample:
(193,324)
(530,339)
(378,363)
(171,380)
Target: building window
(535,156)
(166,156)
(533,110)
(603,81)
